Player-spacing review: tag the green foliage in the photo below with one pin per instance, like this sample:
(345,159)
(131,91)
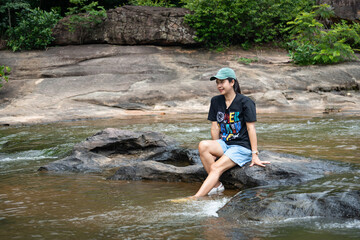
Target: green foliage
(84,16)
(225,22)
(7,13)
(153,3)
(313,44)
(247,61)
(4,70)
(302,54)
(33,31)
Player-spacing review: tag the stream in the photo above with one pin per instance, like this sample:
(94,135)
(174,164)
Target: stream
(37,205)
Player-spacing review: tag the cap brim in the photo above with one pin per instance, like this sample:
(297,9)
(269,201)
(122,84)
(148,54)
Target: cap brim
(213,78)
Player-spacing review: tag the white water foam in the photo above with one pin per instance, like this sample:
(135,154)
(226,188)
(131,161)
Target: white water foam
(25,156)
(202,208)
(351,224)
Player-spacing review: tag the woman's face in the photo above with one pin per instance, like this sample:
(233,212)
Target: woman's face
(224,86)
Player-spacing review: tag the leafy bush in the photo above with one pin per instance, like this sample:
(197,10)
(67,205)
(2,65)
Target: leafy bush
(7,13)
(313,44)
(84,16)
(153,3)
(33,30)
(4,70)
(224,22)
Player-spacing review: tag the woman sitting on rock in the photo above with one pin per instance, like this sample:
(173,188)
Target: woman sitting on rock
(233,133)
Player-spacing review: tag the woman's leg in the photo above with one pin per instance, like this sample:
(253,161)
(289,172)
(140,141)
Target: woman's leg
(216,170)
(209,150)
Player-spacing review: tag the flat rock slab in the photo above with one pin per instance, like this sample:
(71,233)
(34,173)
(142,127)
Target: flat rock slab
(107,81)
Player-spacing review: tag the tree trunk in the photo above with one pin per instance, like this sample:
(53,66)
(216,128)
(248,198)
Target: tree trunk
(9,17)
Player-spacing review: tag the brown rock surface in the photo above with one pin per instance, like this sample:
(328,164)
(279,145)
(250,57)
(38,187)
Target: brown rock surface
(108,81)
(345,9)
(132,25)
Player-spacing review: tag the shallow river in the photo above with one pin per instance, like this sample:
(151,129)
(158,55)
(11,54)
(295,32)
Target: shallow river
(37,205)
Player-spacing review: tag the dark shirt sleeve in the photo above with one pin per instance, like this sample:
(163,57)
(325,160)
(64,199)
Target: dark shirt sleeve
(249,111)
(212,111)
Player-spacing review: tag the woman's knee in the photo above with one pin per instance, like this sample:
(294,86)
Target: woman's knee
(204,146)
(216,168)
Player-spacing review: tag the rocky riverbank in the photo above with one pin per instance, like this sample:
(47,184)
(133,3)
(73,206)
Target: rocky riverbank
(108,81)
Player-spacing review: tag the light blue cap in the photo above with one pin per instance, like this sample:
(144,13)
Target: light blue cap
(224,73)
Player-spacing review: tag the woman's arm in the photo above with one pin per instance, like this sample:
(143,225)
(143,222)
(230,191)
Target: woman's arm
(215,131)
(253,141)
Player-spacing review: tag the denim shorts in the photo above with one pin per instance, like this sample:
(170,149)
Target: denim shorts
(238,154)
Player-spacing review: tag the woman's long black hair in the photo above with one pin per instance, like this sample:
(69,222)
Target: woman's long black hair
(236,85)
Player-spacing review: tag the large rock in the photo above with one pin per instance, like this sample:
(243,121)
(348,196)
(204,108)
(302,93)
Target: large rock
(112,148)
(152,156)
(334,196)
(345,9)
(132,25)
(285,169)
(108,81)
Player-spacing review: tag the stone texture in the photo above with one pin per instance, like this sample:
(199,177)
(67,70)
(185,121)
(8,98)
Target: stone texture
(113,147)
(132,25)
(284,170)
(157,171)
(108,81)
(344,9)
(329,197)
(152,156)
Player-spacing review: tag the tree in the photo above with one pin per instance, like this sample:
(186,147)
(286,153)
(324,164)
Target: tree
(8,9)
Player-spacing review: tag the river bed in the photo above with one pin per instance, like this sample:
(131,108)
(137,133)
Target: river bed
(36,205)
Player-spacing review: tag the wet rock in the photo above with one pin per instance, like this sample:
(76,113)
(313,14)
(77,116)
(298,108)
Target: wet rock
(132,25)
(112,140)
(331,197)
(84,162)
(114,147)
(153,156)
(285,169)
(158,171)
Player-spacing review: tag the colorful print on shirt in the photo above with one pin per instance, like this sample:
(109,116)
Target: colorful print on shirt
(229,124)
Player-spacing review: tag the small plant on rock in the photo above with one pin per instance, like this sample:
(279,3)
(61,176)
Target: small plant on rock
(83,17)
(152,3)
(247,61)
(4,71)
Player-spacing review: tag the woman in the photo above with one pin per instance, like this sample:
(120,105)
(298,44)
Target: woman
(234,140)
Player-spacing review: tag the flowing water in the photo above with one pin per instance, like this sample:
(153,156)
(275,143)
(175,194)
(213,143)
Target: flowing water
(36,205)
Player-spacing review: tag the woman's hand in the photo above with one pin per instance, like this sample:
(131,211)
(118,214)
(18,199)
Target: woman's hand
(256,161)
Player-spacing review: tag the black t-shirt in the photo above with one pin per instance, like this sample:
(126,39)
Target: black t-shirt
(232,121)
